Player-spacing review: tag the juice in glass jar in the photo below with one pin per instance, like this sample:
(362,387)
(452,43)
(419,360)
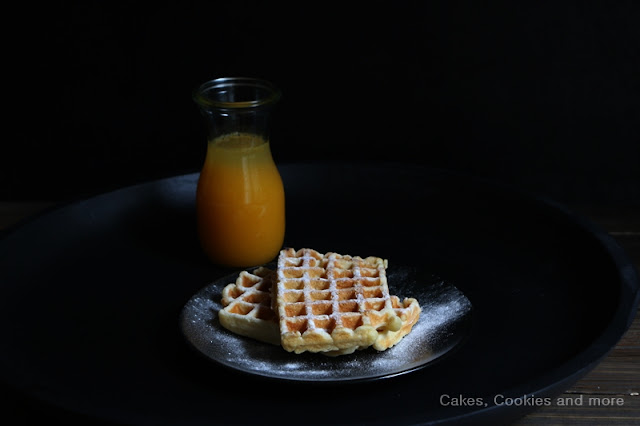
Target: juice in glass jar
(240,201)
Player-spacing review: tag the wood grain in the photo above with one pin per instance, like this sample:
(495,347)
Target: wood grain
(616,380)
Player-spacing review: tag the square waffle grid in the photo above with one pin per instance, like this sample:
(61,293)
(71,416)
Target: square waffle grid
(247,306)
(332,302)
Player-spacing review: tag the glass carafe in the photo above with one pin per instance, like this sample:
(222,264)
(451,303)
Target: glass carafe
(240,197)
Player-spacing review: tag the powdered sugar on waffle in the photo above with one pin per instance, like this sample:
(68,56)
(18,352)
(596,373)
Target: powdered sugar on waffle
(444,322)
(332,302)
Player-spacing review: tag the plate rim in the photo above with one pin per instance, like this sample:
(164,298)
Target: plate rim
(551,380)
(184,323)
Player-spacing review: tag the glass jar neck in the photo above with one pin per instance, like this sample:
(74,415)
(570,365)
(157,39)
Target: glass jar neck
(237,105)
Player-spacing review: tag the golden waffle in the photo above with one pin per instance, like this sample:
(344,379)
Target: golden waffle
(408,310)
(247,306)
(260,320)
(332,302)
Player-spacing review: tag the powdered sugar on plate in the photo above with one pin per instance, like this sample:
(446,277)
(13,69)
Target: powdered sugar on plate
(444,322)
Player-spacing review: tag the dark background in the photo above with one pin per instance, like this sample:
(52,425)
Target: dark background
(543,95)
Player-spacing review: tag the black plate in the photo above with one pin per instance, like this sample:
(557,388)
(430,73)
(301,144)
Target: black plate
(92,293)
(443,324)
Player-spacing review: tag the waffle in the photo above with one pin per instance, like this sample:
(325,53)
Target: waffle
(331,302)
(248,311)
(408,310)
(247,306)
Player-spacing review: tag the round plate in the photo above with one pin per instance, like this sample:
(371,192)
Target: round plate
(443,323)
(92,292)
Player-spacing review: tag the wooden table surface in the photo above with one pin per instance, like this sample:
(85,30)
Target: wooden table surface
(610,394)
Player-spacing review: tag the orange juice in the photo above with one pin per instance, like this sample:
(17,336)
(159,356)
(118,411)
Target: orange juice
(240,201)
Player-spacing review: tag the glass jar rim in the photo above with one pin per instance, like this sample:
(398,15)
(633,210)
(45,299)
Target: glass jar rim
(203,94)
